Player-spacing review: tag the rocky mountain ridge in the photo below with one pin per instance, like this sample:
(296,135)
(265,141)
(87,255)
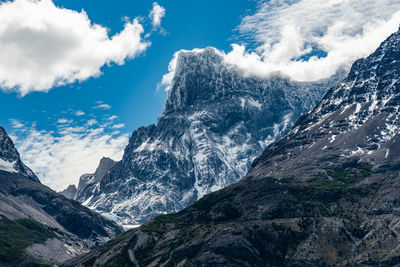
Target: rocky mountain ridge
(215,122)
(326,194)
(26,204)
(10,160)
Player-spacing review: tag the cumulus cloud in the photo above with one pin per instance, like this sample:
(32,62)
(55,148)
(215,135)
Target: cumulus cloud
(60,157)
(156,14)
(306,40)
(310,39)
(42,45)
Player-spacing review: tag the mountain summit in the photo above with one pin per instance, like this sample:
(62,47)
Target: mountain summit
(10,160)
(215,122)
(327,194)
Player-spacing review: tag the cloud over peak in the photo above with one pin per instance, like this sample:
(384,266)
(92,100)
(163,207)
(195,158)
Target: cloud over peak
(42,45)
(306,40)
(310,39)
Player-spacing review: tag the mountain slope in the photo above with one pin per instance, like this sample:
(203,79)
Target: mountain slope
(70,228)
(215,122)
(325,194)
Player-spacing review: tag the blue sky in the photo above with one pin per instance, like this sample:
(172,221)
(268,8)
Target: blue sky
(131,89)
(63,131)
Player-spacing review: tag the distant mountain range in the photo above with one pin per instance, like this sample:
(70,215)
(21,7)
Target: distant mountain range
(215,122)
(74,192)
(37,225)
(326,194)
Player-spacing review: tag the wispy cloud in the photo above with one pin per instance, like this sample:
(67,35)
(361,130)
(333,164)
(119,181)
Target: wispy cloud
(118,126)
(16,124)
(102,106)
(91,122)
(64,121)
(79,113)
(60,157)
(42,45)
(113,117)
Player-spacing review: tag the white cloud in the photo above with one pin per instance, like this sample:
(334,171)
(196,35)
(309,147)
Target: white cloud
(102,106)
(42,45)
(64,121)
(118,126)
(113,117)
(156,14)
(60,158)
(79,113)
(16,124)
(91,122)
(289,33)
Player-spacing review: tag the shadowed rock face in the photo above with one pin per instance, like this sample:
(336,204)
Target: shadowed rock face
(215,122)
(325,194)
(76,229)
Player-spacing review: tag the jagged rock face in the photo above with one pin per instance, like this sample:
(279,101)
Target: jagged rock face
(358,120)
(324,195)
(76,229)
(215,122)
(10,160)
(104,166)
(90,178)
(69,192)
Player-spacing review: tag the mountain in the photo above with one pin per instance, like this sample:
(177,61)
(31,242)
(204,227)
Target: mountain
(69,192)
(10,160)
(90,178)
(326,194)
(36,223)
(215,122)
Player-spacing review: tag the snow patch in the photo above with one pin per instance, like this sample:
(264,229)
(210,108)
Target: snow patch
(8,166)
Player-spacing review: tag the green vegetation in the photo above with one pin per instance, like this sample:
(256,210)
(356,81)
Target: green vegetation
(17,235)
(160,224)
(343,177)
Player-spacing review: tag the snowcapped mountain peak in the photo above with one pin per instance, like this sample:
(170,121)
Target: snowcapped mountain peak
(215,122)
(10,160)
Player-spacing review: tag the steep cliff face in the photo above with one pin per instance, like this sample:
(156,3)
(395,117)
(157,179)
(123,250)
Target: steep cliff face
(325,194)
(90,178)
(69,192)
(39,225)
(215,122)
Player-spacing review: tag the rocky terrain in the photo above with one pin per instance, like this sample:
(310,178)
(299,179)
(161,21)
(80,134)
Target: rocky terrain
(69,192)
(36,223)
(215,122)
(105,165)
(326,194)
